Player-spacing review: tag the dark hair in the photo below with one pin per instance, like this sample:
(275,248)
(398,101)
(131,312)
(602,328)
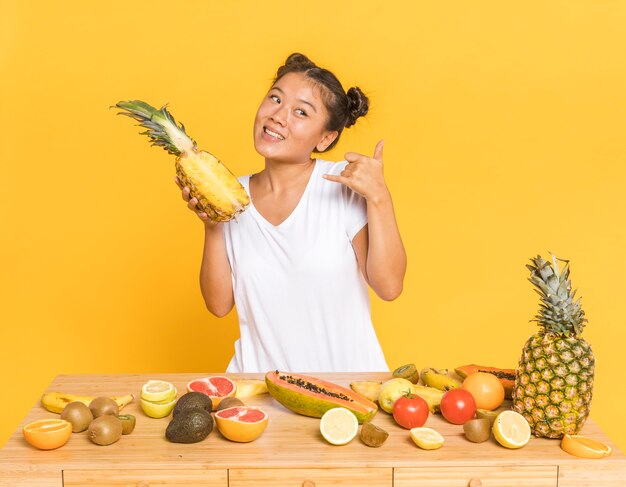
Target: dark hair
(344,108)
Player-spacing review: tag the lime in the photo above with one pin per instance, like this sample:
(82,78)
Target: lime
(158,390)
(339,426)
(158,409)
(426,438)
(511,429)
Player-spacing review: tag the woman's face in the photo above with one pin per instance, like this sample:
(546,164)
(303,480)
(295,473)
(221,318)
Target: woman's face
(291,121)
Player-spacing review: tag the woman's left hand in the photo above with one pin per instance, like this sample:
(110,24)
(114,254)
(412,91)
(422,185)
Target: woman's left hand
(364,174)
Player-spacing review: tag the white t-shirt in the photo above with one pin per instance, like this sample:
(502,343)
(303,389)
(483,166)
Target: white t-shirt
(302,302)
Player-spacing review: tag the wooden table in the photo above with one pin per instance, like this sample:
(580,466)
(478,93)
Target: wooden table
(291,452)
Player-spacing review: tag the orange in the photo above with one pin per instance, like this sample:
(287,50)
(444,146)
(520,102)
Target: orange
(47,434)
(584,447)
(216,387)
(241,423)
(486,388)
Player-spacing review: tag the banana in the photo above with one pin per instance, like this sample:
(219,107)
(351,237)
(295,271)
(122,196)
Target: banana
(439,379)
(367,389)
(431,395)
(250,387)
(55,402)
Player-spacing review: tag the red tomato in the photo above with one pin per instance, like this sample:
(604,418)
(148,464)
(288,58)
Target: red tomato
(458,406)
(410,411)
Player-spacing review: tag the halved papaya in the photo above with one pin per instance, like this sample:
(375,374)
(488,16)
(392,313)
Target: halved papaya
(310,396)
(506,376)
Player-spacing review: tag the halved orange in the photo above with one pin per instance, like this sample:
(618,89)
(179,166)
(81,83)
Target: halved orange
(47,434)
(584,447)
(216,387)
(241,423)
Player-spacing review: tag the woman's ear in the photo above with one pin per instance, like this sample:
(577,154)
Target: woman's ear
(328,139)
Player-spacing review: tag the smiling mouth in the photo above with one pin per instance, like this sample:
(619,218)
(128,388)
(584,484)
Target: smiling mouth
(273,134)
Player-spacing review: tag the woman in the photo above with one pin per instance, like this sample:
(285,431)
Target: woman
(297,262)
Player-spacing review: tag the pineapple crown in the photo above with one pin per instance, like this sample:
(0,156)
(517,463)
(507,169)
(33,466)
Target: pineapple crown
(162,128)
(558,313)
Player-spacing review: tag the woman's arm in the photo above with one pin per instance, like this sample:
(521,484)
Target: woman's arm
(215,273)
(378,245)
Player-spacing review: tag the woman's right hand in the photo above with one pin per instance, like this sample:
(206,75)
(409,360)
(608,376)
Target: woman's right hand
(193,202)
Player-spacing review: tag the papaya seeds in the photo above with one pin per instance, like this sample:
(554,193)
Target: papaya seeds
(373,435)
(190,426)
(477,430)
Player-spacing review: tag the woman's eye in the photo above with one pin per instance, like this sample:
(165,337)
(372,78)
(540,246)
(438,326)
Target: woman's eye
(275,98)
(301,111)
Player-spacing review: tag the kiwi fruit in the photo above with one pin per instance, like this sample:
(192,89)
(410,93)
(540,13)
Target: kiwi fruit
(372,435)
(229,402)
(103,405)
(408,372)
(486,414)
(477,430)
(189,426)
(105,430)
(192,400)
(128,423)
(78,414)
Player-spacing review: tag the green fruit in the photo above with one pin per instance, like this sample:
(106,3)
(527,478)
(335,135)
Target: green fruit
(408,372)
(78,414)
(190,426)
(128,423)
(193,400)
(310,396)
(477,430)
(373,435)
(391,390)
(105,430)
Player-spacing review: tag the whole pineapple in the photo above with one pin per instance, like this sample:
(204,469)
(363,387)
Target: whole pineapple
(554,378)
(219,193)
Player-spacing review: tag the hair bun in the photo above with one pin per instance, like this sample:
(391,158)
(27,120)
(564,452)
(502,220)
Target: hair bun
(358,105)
(297,58)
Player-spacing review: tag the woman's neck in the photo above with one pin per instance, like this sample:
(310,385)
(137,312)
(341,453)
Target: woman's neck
(278,175)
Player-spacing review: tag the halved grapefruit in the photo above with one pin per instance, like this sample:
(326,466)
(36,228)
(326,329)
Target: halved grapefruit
(241,423)
(216,387)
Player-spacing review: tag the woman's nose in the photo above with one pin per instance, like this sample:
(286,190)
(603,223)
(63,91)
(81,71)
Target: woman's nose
(279,115)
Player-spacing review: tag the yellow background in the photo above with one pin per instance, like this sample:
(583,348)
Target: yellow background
(504,128)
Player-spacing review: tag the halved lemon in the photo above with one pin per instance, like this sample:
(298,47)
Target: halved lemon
(158,409)
(426,438)
(339,426)
(581,446)
(511,429)
(158,390)
(47,434)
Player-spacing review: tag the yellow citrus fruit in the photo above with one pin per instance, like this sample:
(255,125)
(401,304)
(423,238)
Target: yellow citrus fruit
(486,388)
(241,423)
(47,434)
(158,391)
(511,429)
(426,438)
(158,409)
(584,447)
(339,426)
(391,390)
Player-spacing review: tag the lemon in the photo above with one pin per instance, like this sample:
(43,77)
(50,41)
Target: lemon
(426,438)
(511,429)
(339,426)
(583,447)
(158,409)
(391,390)
(158,390)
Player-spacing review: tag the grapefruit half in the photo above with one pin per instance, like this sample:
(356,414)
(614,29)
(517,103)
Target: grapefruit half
(216,387)
(241,423)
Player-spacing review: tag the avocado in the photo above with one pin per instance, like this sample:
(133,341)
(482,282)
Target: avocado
(193,400)
(189,426)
